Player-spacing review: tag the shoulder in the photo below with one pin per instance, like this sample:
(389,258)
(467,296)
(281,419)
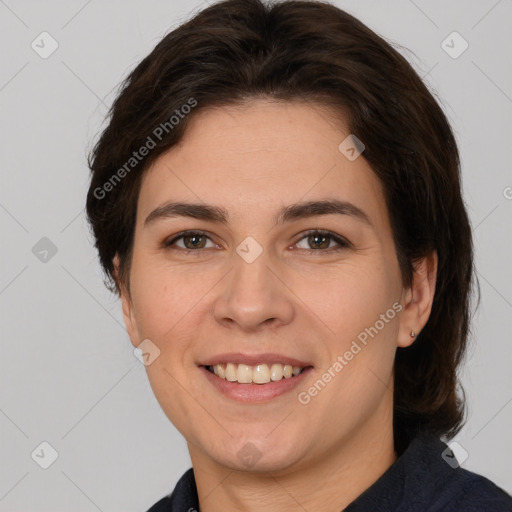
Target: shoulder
(427,477)
(466,491)
(449,487)
(182,499)
(164,505)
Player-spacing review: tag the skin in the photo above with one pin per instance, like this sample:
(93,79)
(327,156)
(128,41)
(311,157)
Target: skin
(295,299)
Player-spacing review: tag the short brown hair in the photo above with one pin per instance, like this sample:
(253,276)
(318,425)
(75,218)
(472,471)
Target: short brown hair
(237,50)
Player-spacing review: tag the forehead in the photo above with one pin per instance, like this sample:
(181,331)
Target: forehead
(259,157)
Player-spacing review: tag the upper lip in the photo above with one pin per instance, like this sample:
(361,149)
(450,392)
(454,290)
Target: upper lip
(253,359)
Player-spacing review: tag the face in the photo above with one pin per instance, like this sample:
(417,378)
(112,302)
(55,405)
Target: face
(263,283)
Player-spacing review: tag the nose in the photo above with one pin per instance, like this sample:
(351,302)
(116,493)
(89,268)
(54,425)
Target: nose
(253,295)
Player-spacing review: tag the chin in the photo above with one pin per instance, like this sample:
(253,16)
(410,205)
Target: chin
(257,454)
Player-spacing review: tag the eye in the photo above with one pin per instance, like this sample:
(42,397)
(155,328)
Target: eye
(190,241)
(316,240)
(322,240)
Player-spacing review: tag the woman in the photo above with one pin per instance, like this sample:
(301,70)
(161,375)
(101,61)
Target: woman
(277,201)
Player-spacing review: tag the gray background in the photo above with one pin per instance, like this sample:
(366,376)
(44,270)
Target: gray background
(68,374)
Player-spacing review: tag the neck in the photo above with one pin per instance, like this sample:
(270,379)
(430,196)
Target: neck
(328,482)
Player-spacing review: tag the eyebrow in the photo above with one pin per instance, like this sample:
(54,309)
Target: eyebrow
(288,213)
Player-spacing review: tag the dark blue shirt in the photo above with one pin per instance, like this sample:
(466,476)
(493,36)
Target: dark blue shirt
(424,478)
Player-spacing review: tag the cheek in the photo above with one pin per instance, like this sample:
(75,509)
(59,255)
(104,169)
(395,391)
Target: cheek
(166,308)
(359,311)
(350,298)
(164,298)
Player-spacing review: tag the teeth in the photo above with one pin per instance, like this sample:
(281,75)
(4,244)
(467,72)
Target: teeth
(276,372)
(230,372)
(244,374)
(259,374)
(220,371)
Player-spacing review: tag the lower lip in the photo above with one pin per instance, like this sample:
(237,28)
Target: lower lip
(254,392)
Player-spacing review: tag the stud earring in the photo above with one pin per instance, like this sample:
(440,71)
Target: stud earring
(413,334)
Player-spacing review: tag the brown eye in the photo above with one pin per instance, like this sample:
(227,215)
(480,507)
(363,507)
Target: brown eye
(189,241)
(315,240)
(194,241)
(318,241)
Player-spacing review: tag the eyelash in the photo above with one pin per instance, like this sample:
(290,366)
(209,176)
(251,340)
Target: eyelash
(343,244)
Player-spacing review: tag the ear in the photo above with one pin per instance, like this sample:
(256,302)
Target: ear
(418,299)
(126,302)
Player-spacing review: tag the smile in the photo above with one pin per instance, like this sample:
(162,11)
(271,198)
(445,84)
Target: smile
(257,374)
(254,378)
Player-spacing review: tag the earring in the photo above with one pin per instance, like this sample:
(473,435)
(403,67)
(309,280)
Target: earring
(413,334)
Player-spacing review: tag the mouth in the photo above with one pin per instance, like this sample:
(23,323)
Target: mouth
(257,378)
(262,373)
